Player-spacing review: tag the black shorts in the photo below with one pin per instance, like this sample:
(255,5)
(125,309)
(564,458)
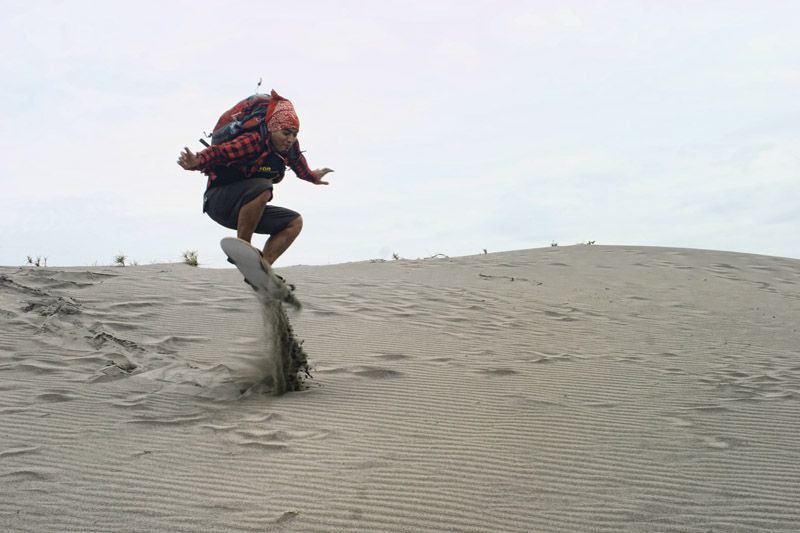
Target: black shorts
(223,203)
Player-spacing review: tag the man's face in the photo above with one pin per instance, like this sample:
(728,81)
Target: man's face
(283,139)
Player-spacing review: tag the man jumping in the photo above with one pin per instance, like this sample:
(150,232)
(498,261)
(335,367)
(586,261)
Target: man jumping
(242,171)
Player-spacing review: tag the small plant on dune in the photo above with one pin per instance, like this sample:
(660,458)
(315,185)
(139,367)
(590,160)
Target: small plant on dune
(190,257)
(38,261)
(120,260)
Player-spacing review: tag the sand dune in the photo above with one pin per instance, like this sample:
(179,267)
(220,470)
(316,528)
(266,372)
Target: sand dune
(584,388)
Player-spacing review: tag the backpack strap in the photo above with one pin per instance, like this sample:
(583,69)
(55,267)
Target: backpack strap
(262,129)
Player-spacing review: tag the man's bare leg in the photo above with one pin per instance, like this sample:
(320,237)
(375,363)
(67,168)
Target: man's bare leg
(250,215)
(280,242)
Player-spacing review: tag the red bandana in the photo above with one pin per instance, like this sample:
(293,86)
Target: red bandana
(282,114)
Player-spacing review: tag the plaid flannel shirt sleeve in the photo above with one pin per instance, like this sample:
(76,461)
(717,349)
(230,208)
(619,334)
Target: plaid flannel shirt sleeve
(299,165)
(247,145)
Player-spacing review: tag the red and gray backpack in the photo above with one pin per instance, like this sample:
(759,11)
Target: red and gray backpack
(248,115)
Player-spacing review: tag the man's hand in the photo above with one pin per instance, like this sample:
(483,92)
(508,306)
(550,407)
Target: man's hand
(319,174)
(188,160)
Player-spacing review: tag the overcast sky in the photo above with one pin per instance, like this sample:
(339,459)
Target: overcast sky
(453,127)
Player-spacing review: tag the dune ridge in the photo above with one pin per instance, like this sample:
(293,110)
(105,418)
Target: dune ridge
(587,388)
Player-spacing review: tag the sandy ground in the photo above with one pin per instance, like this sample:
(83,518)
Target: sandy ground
(585,388)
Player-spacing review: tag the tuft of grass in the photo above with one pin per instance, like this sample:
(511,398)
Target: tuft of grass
(120,260)
(190,257)
(38,261)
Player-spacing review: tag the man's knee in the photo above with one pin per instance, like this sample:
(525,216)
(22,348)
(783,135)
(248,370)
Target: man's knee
(265,197)
(296,224)
(261,199)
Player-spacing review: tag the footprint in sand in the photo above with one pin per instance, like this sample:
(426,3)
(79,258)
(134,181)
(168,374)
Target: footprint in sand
(21,476)
(499,371)
(10,452)
(55,397)
(373,372)
(393,356)
(716,443)
(377,372)
(273,439)
(678,421)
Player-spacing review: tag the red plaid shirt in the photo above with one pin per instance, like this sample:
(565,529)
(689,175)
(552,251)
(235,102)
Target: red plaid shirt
(242,152)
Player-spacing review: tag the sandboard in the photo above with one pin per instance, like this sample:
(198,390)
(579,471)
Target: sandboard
(257,273)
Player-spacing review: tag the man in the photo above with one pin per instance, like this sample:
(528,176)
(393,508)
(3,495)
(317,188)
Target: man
(242,171)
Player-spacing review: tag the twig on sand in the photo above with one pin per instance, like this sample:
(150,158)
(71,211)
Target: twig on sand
(39,261)
(511,278)
(190,257)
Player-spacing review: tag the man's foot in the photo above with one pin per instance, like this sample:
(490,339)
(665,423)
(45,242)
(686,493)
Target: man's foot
(290,285)
(283,280)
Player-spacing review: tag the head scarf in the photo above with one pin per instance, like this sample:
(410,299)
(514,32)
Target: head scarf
(281,114)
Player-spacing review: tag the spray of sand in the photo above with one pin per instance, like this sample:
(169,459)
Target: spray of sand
(286,367)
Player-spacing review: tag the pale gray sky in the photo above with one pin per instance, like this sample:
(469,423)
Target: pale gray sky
(453,126)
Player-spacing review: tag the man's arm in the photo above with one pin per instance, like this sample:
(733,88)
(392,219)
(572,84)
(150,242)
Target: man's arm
(299,165)
(249,144)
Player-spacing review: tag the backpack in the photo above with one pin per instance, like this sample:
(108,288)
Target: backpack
(247,115)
